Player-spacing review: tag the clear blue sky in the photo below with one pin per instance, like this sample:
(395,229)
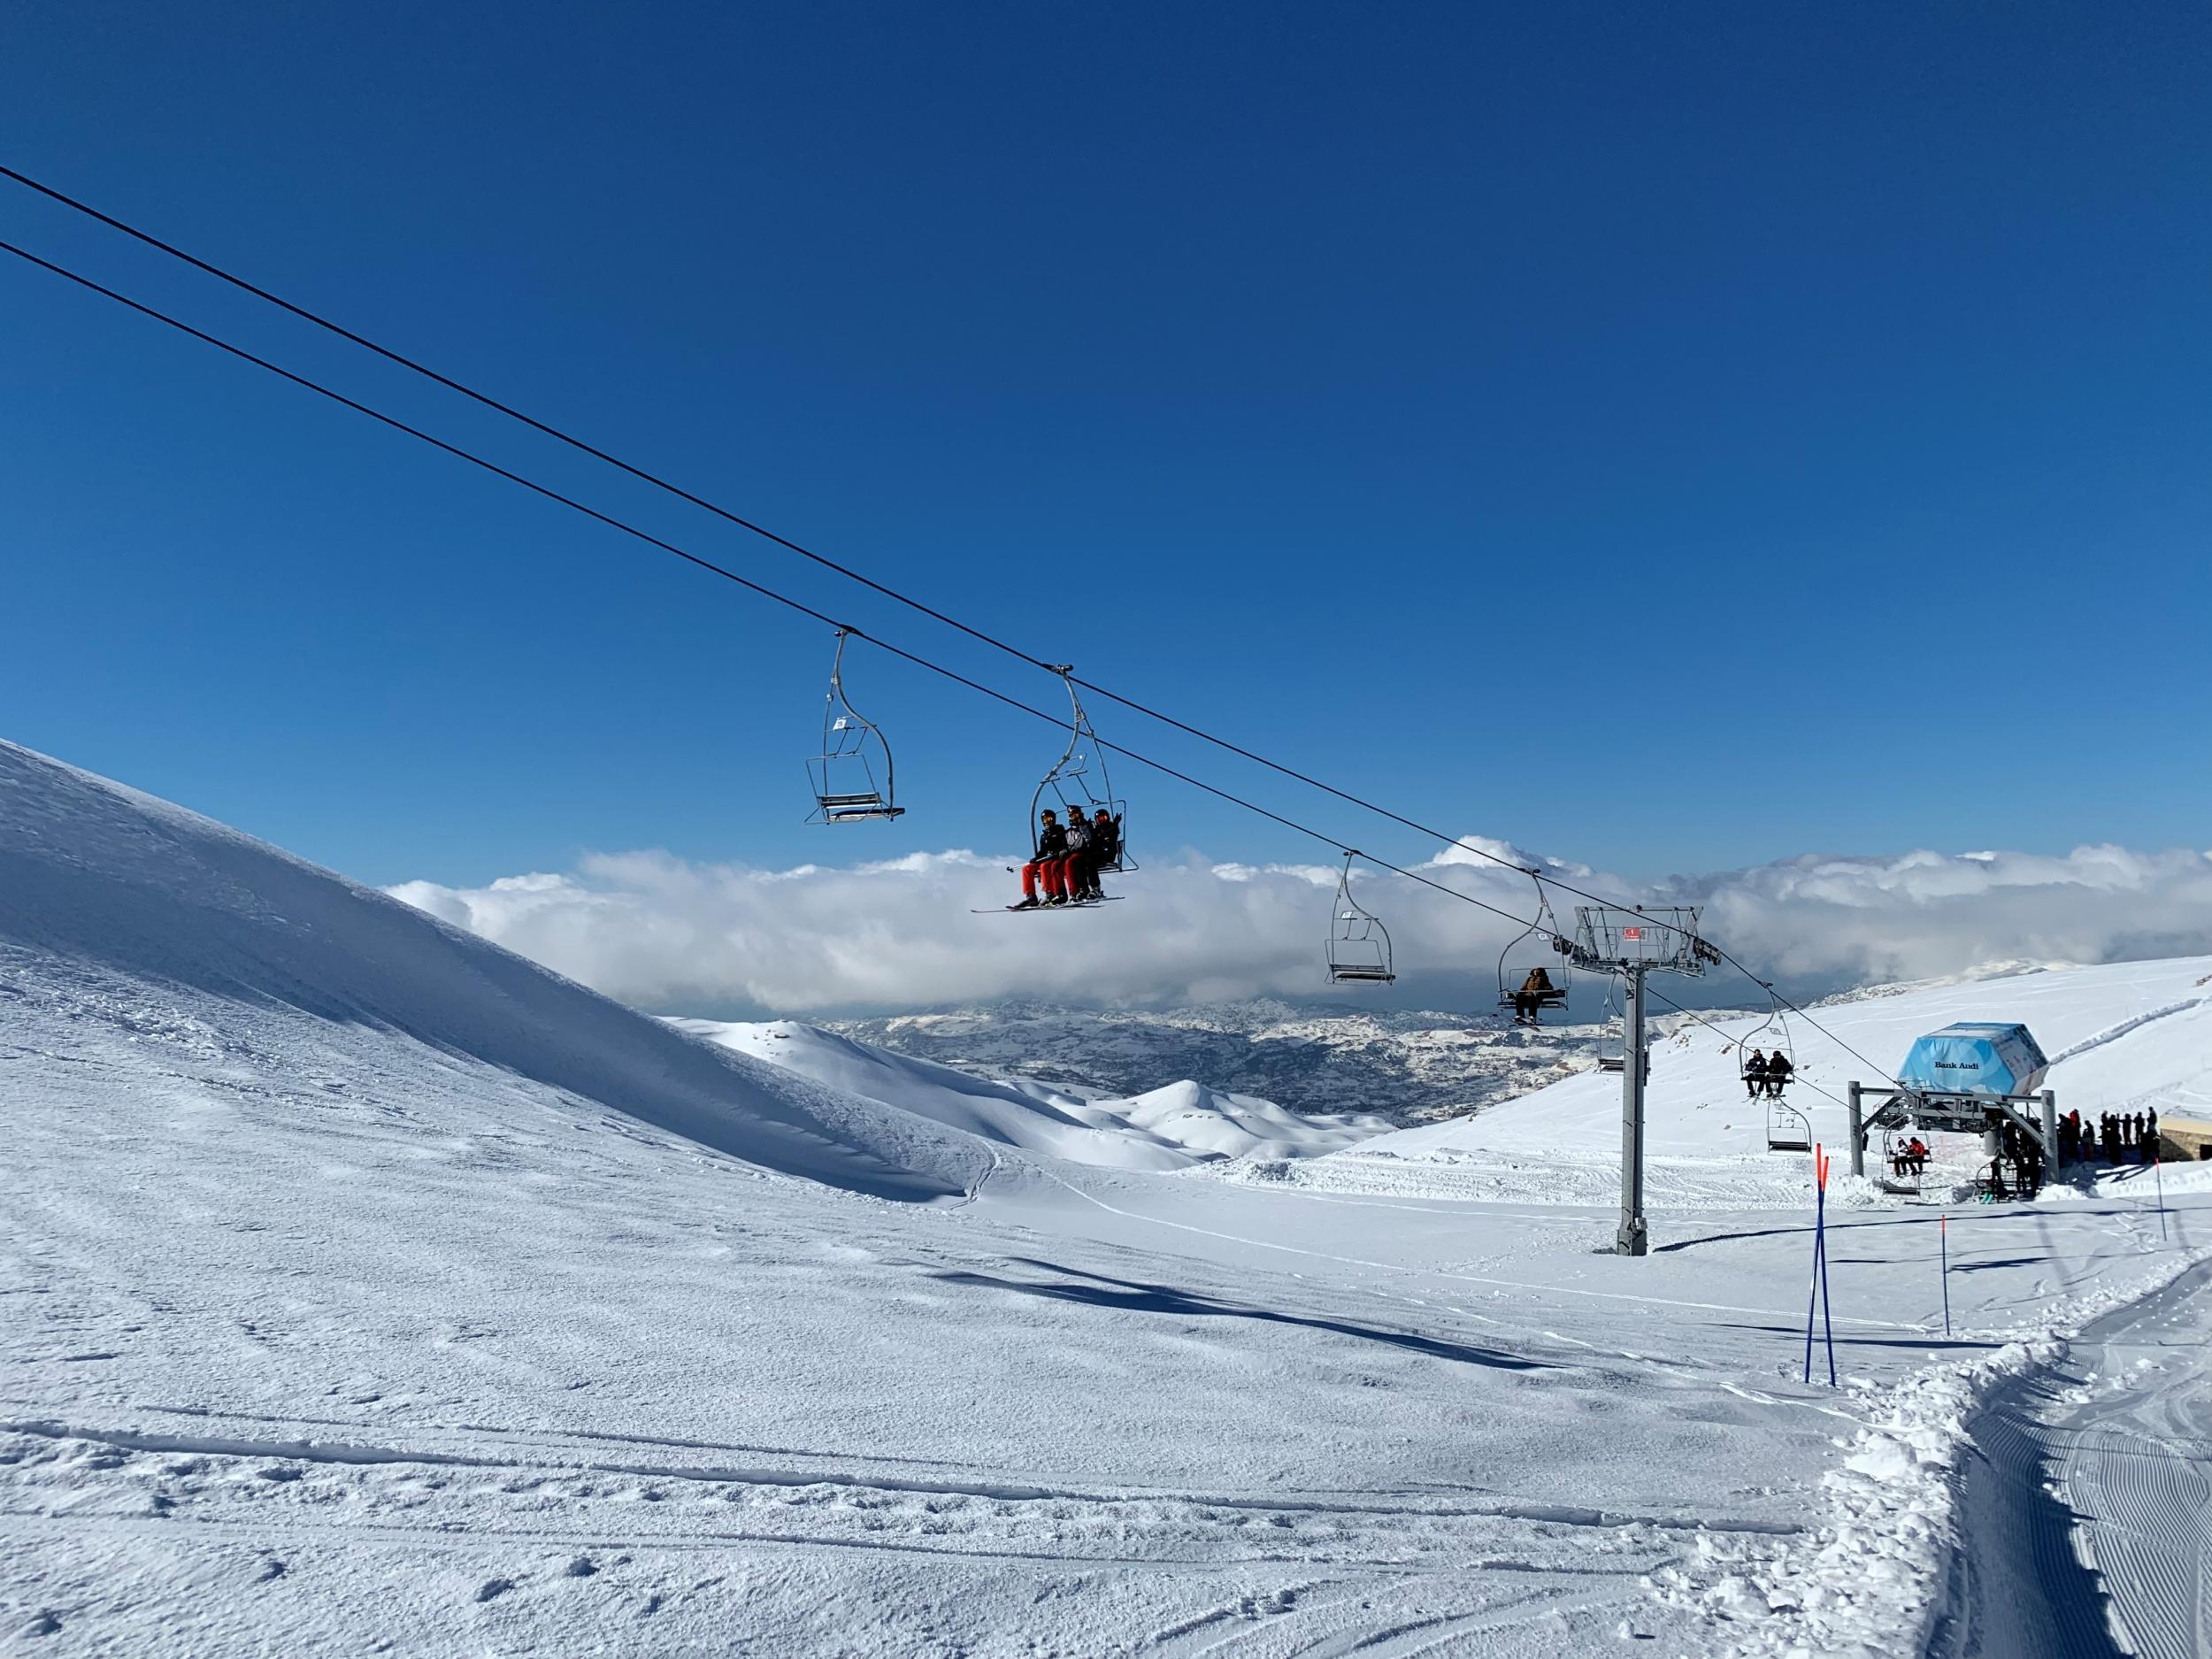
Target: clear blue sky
(1669,437)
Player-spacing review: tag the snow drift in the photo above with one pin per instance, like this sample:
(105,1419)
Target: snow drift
(128,889)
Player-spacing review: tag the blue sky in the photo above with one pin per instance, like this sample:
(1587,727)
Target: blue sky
(1670,437)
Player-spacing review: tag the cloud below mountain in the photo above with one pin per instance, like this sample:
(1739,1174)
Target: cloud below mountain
(663,933)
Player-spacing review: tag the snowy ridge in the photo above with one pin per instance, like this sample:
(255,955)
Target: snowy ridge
(167,916)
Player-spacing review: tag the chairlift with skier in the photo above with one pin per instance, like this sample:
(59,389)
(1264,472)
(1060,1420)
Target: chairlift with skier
(1529,994)
(1077,824)
(1079,782)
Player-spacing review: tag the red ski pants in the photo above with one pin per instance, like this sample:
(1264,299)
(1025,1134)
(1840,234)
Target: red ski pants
(1057,872)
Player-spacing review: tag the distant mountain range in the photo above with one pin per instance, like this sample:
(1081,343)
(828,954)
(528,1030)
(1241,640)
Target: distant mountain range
(1407,1067)
(1410,1067)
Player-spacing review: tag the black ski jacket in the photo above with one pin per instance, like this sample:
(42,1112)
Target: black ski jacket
(1052,841)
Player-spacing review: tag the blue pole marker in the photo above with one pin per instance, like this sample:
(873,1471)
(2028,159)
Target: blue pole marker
(1827,1302)
(1943,1242)
(1819,1302)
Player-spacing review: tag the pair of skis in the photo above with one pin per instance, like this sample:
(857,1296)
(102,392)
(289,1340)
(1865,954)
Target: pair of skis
(1022,910)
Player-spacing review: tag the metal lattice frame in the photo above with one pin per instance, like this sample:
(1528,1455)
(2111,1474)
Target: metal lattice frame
(1610,938)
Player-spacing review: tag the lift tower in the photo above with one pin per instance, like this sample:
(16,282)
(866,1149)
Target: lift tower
(1632,942)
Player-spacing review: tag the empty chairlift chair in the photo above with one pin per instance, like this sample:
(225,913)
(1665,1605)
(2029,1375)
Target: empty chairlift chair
(853,777)
(1788,1129)
(1359,944)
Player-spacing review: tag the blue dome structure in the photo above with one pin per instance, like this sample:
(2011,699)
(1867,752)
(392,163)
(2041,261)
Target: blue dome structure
(1976,1057)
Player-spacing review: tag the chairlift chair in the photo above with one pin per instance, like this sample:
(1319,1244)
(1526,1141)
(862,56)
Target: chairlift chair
(846,788)
(1359,944)
(1907,1185)
(1079,782)
(1528,1006)
(1788,1129)
(1771,1034)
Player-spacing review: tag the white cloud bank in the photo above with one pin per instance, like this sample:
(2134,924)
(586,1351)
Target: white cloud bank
(666,934)
(661,933)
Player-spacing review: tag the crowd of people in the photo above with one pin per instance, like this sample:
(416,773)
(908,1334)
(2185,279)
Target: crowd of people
(1070,858)
(2114,1137)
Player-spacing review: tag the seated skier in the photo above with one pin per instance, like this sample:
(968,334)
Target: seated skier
(1528,1001)
(1105,848)
(1075,869)
(1050,863)
(1778,1071)
(1754,1074)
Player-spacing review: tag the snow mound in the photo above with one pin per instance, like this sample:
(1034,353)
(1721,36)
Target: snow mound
(1169,1128)
(118,907)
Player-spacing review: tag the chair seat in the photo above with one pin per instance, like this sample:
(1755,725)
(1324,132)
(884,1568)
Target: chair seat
(831,803)
(1382,974)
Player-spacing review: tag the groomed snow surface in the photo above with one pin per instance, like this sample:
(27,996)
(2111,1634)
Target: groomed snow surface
(370,1289)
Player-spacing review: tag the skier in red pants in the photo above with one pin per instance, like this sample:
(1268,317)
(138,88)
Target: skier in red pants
(1051,862)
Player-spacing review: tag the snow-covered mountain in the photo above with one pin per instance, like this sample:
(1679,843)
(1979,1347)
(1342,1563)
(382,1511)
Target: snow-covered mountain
(369,1289)
(1168,1128)
(1406,1067)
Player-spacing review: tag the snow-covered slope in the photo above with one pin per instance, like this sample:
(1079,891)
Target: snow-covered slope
(137,911)
(2122,1036)
(364,1290)
(1165,1128)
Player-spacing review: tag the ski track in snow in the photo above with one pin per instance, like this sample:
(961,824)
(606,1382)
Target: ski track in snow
(2100,1469)
(369,1290)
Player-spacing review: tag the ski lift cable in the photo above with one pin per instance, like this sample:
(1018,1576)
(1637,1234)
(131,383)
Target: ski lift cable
(647,476)
(765,592)
(658,482)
